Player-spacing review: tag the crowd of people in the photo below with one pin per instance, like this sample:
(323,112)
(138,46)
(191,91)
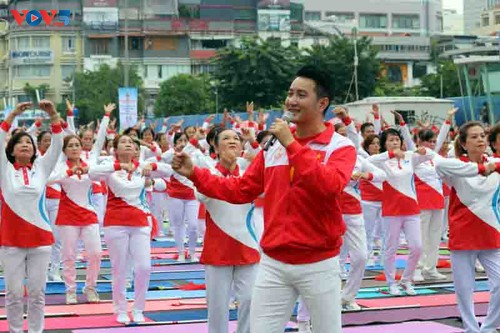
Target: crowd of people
(279,208)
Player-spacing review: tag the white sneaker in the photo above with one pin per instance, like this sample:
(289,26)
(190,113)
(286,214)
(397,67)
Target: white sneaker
(182,257)
(305,326)
(91,294)
(370,262)
(71,298)
(123,318)
(137,316)
(408,288)
(193,257)
(350,306)
(55,277)
(418,277)
(394,290)
(433,275)
(479,267)
(233,305)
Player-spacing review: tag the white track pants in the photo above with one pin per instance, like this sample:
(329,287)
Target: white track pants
(219,280)
(92,242)
(158,207)
(55,254)
(31,263)
(125,244)
(278,285)
(182,212)
(431,222)
(393,225)
(464,278)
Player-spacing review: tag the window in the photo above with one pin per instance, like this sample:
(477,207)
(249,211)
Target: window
(419,70)
(406,22)
(485,21)
(29,71)
(313,16)
(68,44)
(160,71)
(41,42)
(134,44)
(23,43)
(99,46)
(67,72)
(497,19)
(373,21)
(341,17)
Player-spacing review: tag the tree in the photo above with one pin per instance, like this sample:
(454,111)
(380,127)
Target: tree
(97,88)
(431,83)
(184,94)
(257,70)
(337,59)
(30,91)
(386,88)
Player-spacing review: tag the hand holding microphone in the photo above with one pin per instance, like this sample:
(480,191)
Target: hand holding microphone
(281,131)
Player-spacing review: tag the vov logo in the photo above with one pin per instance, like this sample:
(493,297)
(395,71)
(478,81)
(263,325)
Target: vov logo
(35,17)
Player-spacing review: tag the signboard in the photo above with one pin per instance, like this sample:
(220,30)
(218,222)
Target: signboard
(100,3)
(37,57)
(127,104)
(273,20)
(273,4)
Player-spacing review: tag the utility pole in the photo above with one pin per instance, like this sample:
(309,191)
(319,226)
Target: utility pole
(126,64)
(356,60)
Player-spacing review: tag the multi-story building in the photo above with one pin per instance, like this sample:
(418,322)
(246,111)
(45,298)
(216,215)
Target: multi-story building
(400,29)
(453,22)
(472,13)
(490,22)
(42,55)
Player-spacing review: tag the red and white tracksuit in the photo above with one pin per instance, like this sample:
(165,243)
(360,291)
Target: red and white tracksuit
(130,237)
(25,232)
(230,254)
(400,210)
(474,219)
(303,226)
(77,220)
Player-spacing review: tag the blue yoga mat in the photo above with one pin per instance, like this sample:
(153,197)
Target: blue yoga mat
(107,263)
(181,315)
(166,294)
(479,286)
(172,275)
(368,293)
(102,287)
(400,264)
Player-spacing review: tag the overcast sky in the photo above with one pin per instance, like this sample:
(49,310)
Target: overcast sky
(456,4)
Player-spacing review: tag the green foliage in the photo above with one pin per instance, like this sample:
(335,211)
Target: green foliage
(386,88)
(257,70)
(431,83)
(337,58)
(184,94)
(30,91)
(95,89)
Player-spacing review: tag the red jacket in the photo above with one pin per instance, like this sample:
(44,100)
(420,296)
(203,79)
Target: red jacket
(302,185)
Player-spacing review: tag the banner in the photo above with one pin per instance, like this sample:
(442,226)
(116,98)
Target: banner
(127,105)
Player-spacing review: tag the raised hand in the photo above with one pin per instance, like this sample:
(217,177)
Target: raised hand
(21,107)
(340,112)
(398,116)
(182,164)
(108,108)
(48,107)
(451,114)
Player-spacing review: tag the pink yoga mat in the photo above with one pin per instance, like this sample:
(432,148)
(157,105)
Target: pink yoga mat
(73,322)
(107,308)
(433,300)
(177,328)
(408,327)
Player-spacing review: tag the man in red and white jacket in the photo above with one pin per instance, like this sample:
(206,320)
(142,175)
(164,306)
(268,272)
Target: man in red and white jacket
(303,176)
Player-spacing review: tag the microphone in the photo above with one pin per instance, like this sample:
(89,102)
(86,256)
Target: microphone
(287,116)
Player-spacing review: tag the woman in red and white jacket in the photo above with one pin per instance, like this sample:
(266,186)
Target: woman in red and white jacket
(77,219)
(128,222)
(183,208)
(230,251)
(474,219)
(430,198)
(400,210)
(25,232)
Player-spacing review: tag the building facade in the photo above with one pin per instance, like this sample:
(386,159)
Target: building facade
(490,22)
(400,29)
(453,22)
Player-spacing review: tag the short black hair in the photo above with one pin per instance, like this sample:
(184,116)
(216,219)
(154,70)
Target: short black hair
(364,126)
(130,130)
(385,135)
(145,130)
(14,140)
(261,135)
(321,79)
(40,136)
(177,136)
(492,138)
(426,135)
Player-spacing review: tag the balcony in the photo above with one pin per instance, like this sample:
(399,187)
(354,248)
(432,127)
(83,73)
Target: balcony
(104,26)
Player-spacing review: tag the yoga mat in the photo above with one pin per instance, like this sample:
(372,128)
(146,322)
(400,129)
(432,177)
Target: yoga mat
(102,287)
(183,315)
(434,300)
(178,328)
(481,320)
(158,276)
(480,286)
(171,294)
(177,268)
(400,264)
(62,323)
(368,293)
(84,309)
(407,327)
